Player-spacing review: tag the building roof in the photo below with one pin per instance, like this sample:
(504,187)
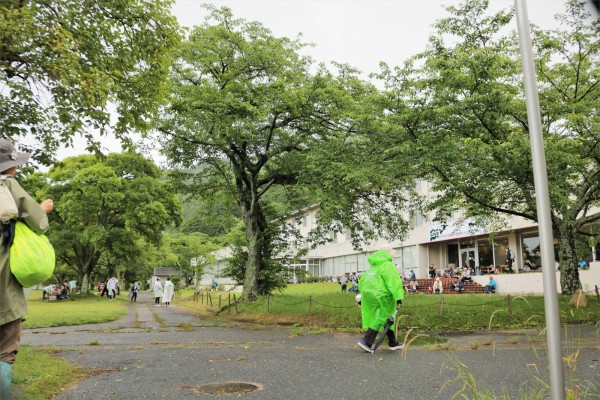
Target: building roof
(165,271)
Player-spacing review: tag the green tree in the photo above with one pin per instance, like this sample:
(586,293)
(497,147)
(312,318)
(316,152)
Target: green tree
(213,216)
(249,107)
(67,67)
(104,207)
(460,105)
(193,253)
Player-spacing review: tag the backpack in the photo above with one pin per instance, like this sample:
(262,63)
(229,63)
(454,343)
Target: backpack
(8,207)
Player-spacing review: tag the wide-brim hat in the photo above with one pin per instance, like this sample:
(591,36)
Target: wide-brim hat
(9,157)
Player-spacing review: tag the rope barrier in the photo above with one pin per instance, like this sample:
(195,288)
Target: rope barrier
(446,303)
(443,301)
(327,305)
(288,304)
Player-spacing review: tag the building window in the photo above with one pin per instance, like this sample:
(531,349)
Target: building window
(405,259)
(485,253)
(500,245)
(418,185)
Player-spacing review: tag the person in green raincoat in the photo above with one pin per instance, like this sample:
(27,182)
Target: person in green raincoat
(381,292)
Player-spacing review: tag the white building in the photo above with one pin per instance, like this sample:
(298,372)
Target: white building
(456,244)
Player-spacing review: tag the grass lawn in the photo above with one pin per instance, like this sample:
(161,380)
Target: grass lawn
(322,306)
(85,309)
(39,375)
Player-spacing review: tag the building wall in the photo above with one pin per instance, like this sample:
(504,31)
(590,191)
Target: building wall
(419,250)
(532,283)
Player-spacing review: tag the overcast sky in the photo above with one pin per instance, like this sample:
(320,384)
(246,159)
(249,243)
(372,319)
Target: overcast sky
(358,32)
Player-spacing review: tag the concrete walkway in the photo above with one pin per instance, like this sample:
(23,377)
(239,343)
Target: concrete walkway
(165,352)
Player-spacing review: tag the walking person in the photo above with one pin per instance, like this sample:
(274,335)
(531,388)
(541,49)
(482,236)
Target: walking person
(169,291)
(13,305)
(344,283)
(157,292)
(105,289)
(381,292)
(112,287)
(134,292)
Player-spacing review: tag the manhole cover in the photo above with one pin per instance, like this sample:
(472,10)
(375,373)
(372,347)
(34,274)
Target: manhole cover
(234,388)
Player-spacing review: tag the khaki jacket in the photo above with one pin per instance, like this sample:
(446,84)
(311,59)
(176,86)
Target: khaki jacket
(13,304)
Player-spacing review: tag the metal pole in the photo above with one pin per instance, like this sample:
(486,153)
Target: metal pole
(542,202)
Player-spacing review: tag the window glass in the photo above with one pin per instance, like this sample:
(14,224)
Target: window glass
(500,245)
(531,250)
(467,242)
(453,255)
(486,253)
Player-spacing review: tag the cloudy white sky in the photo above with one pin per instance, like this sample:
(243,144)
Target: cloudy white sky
(358,32)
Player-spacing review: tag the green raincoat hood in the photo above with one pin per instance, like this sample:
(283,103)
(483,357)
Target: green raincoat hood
(379,257)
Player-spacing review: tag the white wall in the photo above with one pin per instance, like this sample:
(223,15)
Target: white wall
(532,282)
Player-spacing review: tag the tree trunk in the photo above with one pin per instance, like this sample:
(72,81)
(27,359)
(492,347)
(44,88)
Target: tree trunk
(85,284)
(569,275)
(254,262)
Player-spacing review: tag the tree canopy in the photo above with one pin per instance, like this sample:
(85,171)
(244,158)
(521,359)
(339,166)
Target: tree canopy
(106,209)
(258,114)
(74,67)
(460,104)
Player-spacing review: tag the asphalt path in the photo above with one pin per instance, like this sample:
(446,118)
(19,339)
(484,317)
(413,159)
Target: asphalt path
(166,352)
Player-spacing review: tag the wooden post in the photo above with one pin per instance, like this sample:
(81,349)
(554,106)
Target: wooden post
(442,307)
(235,303)
(208,298)
(597,293)
(219,301)
(202,297)
(228,302)
(267,302)
(509,305)
(309,304)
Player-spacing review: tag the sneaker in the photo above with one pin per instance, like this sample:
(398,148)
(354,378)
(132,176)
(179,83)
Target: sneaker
(396,346)
(363,345)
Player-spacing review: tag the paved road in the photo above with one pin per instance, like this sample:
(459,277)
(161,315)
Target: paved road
(137,357)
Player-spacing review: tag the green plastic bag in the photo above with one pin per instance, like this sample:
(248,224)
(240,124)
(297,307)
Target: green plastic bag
(32,257)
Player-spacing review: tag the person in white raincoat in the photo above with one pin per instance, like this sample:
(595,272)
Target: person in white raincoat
(169,289)
(157,292)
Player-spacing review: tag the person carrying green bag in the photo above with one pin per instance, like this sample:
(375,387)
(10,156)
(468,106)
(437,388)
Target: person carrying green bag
(13,304)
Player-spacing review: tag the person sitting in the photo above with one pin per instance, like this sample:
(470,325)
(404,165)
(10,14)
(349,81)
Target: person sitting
(465,276)
(63,293)
(448,272)
(411,276)
(582,264)
(457,285)
(414,286)
(431,271)
(534,266)
(438,287)
(491,286)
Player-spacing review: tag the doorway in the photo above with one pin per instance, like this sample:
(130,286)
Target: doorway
(467,258)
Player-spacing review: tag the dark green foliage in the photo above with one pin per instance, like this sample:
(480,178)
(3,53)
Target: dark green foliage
(69,67)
